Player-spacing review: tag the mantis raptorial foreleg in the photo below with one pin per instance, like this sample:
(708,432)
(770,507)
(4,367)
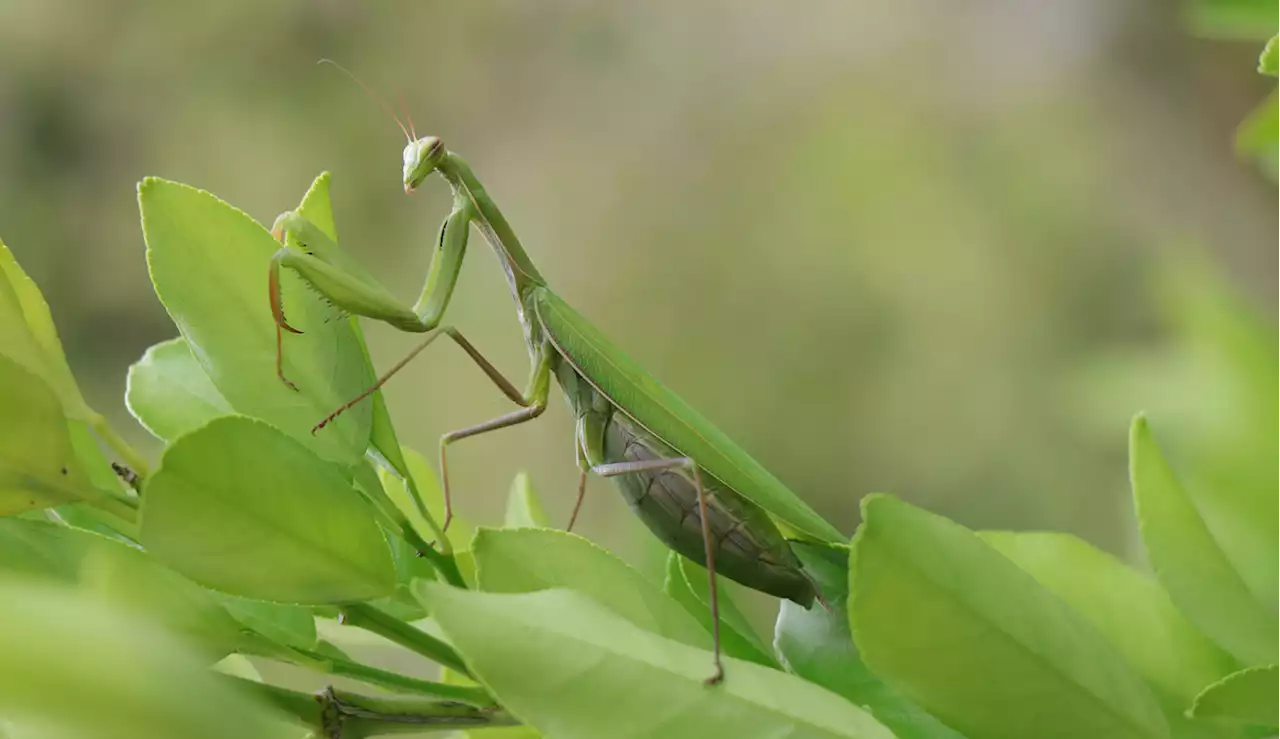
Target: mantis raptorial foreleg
(318,261)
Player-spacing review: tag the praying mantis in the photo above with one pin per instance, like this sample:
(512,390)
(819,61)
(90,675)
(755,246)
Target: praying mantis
(692,486)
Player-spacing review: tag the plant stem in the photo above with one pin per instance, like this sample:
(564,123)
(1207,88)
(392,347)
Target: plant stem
(354,716)
(444,564)
(412,487)
(256,644)
(469,694)
(118,445)
(121,510)
(412,638)
(344,715)
(306,708)
(107,518)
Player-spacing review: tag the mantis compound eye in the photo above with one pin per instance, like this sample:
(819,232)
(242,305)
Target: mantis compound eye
(421,157)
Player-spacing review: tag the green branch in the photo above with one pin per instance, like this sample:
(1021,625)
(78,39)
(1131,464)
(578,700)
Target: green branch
(340,714)
(410,637)
(118,445)
(470,694)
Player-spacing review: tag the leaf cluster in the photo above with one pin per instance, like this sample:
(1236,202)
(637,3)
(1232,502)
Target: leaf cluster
(253,537)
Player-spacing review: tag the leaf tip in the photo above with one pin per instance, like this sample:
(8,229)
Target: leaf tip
(148,183)
(1139,430)
(873,500)
(1269,59)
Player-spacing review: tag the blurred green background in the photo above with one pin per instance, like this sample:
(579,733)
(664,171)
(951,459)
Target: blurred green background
(943,250)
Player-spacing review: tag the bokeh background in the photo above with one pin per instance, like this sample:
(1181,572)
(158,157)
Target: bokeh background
(943,250)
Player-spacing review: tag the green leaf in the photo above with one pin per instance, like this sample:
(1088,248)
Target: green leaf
(78,665)
(317,208)
(94,463)
(1131,610)
(1134,613)
(169,393)
(1189,562)
(573,668)
(964,633)
(815,644)
(364,476)
(209,265)
(449,677)
(38,464)
(237,665)
(1232,19)
(1247,696)
(28,336)
(240,507)
(746,643)
(524,510)
(120,574)
(1257,134)
(676,585)
(427,483)
(44,550)
(290,625)
(528,560)
(1260,132)
(1269,60)
(1227,448)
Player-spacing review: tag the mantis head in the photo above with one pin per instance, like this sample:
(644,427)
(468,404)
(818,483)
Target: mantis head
(421,157)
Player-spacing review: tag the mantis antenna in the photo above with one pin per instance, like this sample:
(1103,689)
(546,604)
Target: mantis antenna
(375,96)
(407,115)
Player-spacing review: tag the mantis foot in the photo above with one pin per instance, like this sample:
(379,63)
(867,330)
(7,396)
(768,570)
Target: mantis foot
(288,383)
(717,678)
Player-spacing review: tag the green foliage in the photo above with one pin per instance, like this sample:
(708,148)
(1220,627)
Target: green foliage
(523,507)
(573,668)
(170,394)
(816,645)
(252,532)
(1127,608)
(1190,561)
(960,629)
(1247,697)
(209,265)
(1259,133)
(206,515)
(1246,19)
(119,574)
(29,337)
(38,464)
(77,665)
(687,583)
(1269,60)
(529,560)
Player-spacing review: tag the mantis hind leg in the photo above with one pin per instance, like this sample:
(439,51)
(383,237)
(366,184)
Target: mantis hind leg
(655,465)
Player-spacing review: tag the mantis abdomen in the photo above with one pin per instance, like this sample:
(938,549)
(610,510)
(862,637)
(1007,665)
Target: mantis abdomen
(747,545)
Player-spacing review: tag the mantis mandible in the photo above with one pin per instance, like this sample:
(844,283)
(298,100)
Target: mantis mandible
(701,494)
